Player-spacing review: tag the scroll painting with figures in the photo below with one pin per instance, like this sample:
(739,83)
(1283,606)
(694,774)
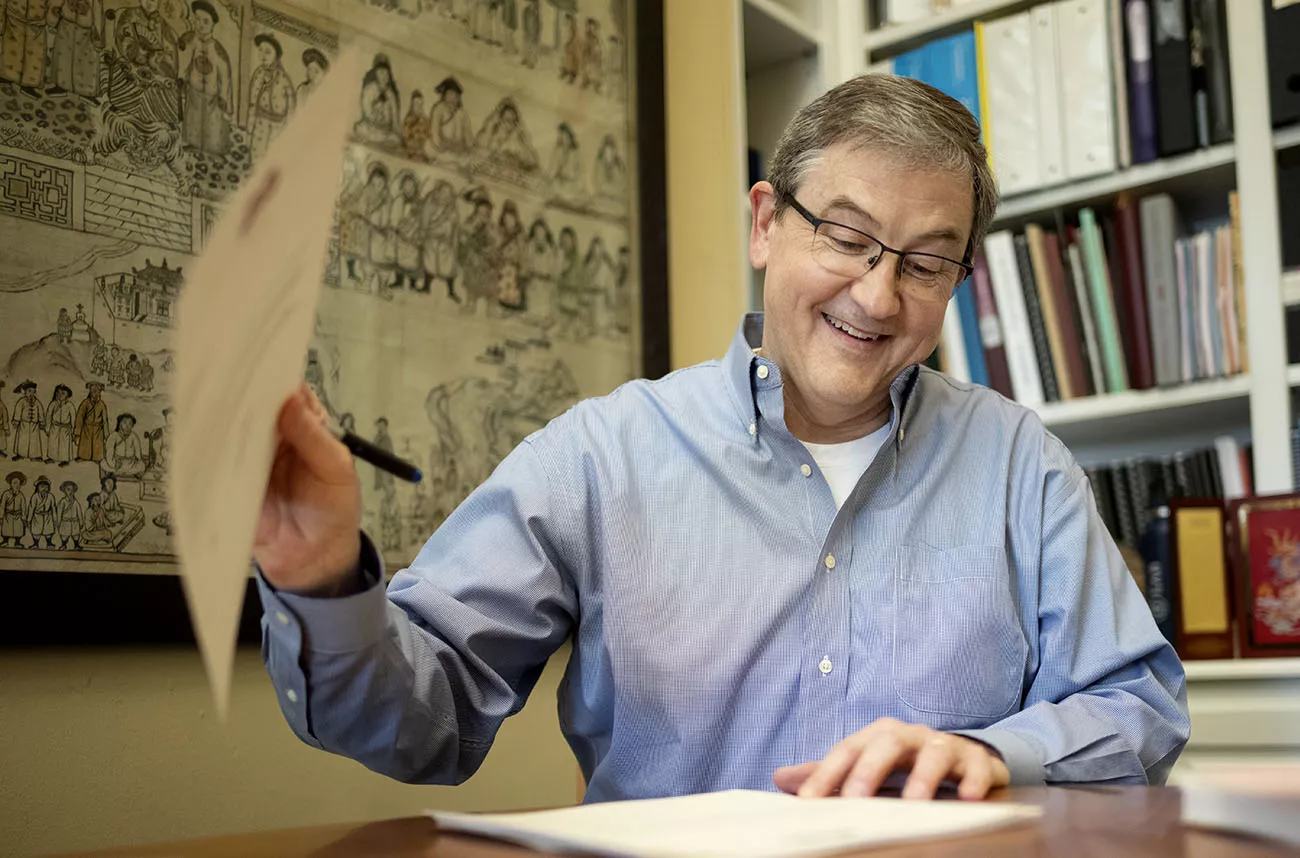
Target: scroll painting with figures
(481,275)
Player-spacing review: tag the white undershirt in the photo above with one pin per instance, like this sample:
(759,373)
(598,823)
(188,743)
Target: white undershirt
(844,464)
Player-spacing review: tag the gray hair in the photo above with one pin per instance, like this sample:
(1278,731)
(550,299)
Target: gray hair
(897,116)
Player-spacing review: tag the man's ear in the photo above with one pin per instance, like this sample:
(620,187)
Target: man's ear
(762,205)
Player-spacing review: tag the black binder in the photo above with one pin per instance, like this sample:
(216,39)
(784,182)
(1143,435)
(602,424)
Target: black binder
(1282,29)
(1172,70)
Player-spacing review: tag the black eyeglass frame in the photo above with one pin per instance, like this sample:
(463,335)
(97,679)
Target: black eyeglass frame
(817,223)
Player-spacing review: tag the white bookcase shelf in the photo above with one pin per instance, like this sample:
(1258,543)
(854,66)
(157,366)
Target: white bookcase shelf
(896,38)
(774,35)
(1242,668)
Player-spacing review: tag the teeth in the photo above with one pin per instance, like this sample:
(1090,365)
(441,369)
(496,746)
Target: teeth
(849,329)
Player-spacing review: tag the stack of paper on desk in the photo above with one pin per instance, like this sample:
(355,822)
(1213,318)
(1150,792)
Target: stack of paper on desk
(736,823)
(1261,798)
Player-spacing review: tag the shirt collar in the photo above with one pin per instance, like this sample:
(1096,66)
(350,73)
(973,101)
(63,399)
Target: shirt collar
(748,374)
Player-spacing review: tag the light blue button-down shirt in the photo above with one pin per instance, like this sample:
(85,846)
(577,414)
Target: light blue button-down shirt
(727,619)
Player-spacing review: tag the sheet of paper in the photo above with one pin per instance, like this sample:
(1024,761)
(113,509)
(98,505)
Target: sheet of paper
(736,823)
(244,322)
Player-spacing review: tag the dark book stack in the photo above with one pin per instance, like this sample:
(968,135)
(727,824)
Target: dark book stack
(1124,490)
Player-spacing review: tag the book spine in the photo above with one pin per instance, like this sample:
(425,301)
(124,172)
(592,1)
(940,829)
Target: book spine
(1119,76)
(1086,317)
(990,329)
(1217,74)
(1052,315)
(1118,292)
(970,329)
(1037,329)
(1067,308)
(1103,305)
(1128,230)
(1175,103)
(1239,275)
(1157,556)
(1000,251)
(1141,84)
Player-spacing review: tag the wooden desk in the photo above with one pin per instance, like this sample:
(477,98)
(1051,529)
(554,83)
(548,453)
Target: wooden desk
(1113,822)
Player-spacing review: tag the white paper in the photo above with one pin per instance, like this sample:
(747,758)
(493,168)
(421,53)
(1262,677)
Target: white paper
(244,322)
(736,823)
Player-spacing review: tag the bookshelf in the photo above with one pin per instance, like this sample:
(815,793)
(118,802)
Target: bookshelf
(775,34)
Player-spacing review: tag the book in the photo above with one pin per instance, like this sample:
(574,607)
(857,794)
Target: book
(1141,83)
(1047,89)
(1228,453)
(1212,24)
(1128,237)
(1004,271)
(990,327)
(1201,569)
(1092,346)
(1068,310)
(1083,51)
(1171,55)
(1226,299)
(1037,327)
(970,329)
(1009,100)
(1069,374)
(1282,32)
(1238,280)
(953,344)
(1119,82)
(1186,310)
(1204,315)
(1102,302)
(1161,261)
(1118,288)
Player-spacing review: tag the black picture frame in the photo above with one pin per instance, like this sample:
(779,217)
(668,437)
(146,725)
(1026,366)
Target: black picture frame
(40,609)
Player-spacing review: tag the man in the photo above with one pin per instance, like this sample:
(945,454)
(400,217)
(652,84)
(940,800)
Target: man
(143,105)
(29,424)
(449,123)
(271,95)
(91,427)
(208,84)
(812,563)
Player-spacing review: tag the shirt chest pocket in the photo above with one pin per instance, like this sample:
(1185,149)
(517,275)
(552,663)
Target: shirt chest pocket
(958,646)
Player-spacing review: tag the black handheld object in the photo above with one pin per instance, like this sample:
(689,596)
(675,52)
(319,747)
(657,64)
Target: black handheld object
(379,457)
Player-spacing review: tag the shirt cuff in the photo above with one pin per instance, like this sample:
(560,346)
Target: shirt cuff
(334,625)
(1023,761)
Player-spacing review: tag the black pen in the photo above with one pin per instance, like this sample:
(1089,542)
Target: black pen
(375,455)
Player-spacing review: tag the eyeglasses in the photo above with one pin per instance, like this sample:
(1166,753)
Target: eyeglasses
(848,252)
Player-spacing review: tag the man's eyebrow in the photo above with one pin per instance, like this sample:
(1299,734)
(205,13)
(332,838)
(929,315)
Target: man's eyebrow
(844,204)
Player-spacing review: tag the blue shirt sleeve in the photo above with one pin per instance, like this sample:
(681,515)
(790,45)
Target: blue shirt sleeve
(1108,702)
(415,682)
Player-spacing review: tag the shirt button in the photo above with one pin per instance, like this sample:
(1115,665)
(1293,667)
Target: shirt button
(753,430)
(762,371)
(805,470)
(830,561)
(282,617)
(825,666)
(293,695)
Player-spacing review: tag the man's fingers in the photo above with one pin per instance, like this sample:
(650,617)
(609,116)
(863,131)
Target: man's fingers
(313,404)
(323,454)
(934,762)
(790,778)
(976,772)
(881,756)
(830,772)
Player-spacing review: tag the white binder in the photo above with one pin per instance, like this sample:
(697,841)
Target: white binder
(1012,102)
(1051,148)
(1083,45)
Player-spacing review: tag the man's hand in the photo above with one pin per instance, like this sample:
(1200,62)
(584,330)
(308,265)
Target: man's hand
(858,765)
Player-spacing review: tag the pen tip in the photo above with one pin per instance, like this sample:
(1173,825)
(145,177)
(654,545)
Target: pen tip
(418,476)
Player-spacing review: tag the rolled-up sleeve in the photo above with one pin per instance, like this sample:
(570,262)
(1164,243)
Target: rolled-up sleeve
(1108,699)
(415,681)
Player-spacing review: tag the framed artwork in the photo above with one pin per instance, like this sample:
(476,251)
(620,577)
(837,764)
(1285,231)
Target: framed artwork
(498,251)
(1265,544)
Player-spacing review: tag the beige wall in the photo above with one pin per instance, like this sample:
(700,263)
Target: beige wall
(707,217)
(110,747)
